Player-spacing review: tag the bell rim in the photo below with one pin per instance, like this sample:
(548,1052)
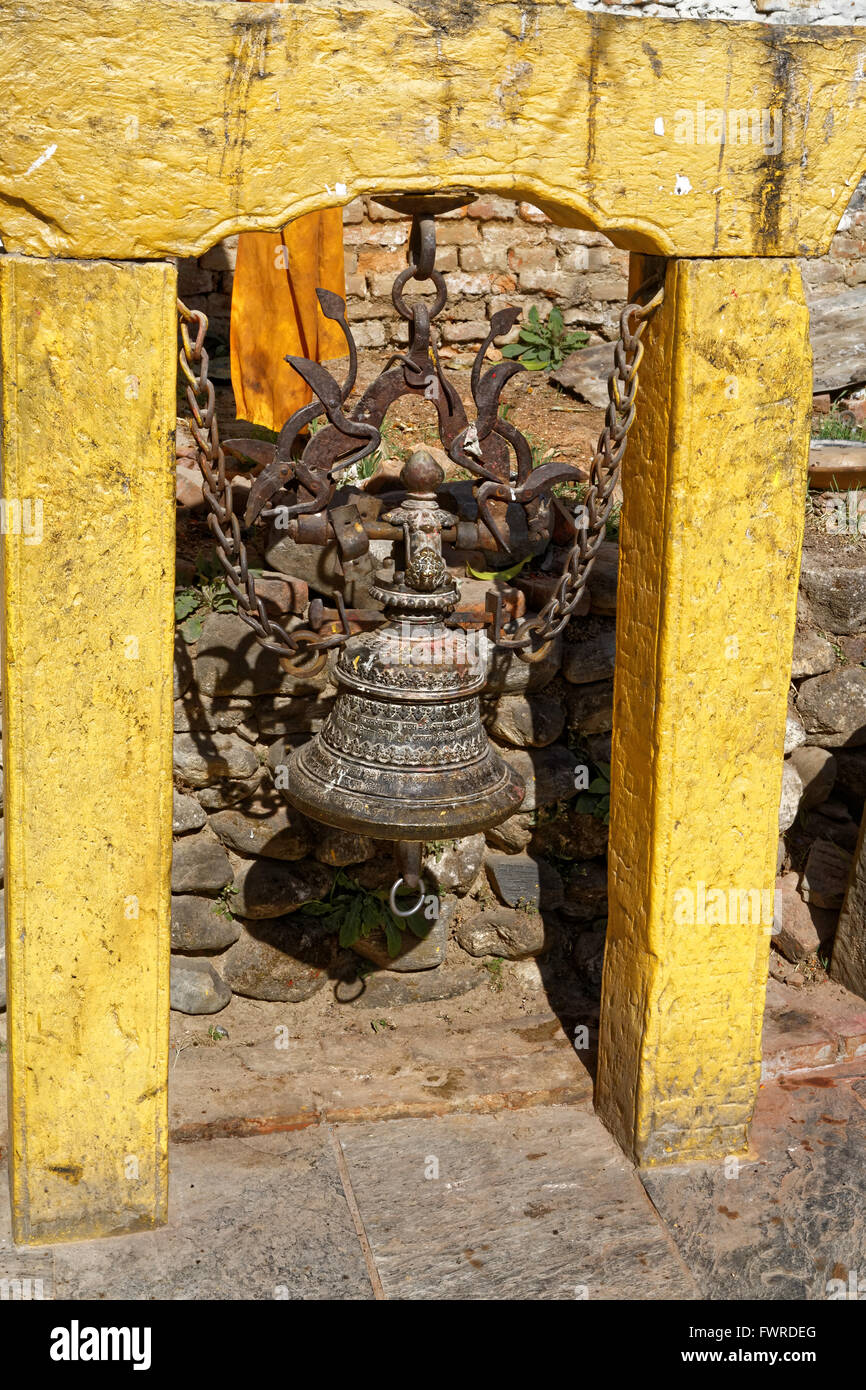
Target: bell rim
(406,819)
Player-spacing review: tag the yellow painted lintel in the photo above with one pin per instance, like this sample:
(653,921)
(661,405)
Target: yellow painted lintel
(140,128)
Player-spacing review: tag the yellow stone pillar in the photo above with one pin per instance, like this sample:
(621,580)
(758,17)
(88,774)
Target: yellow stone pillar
(88,362)
(714,490)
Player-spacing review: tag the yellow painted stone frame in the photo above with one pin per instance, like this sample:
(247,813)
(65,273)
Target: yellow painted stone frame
(138,130)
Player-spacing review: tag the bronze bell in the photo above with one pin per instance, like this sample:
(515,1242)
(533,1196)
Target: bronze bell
(403,754)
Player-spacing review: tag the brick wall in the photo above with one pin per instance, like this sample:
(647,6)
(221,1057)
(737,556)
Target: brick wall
(845,266)
(493,253)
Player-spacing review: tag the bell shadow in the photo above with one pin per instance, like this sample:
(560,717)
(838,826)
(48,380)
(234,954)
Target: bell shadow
(297,951)
(569,895)
(250,664)
(570,963)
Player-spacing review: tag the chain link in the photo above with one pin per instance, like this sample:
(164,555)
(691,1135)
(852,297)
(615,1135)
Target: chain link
(597,505)
(222,519)
(604,475)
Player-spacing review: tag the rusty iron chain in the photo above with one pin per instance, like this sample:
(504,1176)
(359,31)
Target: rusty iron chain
(222,520)
(596,506)
(598,503)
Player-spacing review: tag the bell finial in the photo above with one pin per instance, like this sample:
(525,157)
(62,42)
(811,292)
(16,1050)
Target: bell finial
(421,474)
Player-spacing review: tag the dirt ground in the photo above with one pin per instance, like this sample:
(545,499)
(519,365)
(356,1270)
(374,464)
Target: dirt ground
(550,418)
(501,991)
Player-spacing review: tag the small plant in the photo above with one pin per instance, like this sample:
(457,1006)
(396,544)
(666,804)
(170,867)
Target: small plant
(541,451)
(573,493)
(836,426)
(354,912)
(217,1033)
(542,346)
(611,526)
(379,1025)
(439,846)
(223,902)
(209,593)
(595,801)
(495,978)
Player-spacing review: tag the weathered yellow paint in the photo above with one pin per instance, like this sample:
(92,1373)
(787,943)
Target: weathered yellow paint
(88,430)
(712,524)
(138,128)
(135,128)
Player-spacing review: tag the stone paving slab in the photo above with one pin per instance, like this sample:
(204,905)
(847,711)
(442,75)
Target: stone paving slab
(535,1205)
(258,1218)
(538,1204)
(532,1204)
(426,1070)
(815,1026)
(792,1216)
(532,1199)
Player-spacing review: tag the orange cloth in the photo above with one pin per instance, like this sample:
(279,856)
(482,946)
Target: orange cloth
(275,311)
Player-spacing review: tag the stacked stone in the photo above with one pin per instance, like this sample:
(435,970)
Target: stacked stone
(768,11)
(245,862)
(493,254)
(824,774)
(844,267)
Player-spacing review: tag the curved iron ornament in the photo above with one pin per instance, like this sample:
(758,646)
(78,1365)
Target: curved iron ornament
(490,448)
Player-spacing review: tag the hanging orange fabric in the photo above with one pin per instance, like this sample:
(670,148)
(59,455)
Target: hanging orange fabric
(275,311)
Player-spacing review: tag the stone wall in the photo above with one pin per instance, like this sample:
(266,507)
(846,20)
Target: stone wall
(824,774)
(845,265)
(765,11)
(246,863)
(493,253)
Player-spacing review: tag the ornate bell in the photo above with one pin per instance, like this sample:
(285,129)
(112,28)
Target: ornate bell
(404,755)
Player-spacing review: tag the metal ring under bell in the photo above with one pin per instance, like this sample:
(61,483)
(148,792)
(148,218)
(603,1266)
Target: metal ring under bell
(392,901)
